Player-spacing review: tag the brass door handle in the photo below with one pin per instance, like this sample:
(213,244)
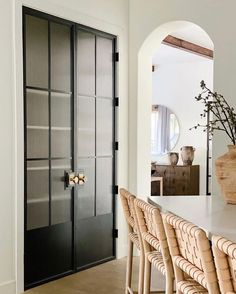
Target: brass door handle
(82,179)
(72,179)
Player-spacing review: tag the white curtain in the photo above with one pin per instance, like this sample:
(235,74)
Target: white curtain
(163,130)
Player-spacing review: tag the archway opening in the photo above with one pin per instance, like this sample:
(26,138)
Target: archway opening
(172,84)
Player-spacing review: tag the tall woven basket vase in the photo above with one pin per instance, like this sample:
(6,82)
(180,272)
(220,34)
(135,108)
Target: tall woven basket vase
(226,174)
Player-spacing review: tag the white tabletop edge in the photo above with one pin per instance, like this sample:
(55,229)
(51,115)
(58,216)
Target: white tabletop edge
(210,213)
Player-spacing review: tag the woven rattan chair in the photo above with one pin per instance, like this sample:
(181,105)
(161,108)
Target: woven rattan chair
(154,244)
(191,255)
(127,200)
(225,259)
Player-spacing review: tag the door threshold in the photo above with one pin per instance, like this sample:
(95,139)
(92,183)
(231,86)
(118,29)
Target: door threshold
(92,264)
(47,280)
(71,272)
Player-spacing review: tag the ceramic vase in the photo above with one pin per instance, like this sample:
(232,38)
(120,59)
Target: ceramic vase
(173,158)
(187,155)
(225,167)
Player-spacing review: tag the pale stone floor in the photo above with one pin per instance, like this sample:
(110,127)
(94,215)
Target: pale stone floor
(103,279)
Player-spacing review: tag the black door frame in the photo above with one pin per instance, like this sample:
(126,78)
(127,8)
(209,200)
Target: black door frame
(74,27)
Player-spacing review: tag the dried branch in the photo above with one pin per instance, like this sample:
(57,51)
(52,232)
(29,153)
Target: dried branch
(224,117)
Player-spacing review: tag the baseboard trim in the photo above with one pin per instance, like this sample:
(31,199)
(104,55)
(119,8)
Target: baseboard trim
(8,287)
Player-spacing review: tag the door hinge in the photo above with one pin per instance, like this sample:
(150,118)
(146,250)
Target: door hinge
(116,146)
(116,101)
(117,57)
(115,233)
(115,189)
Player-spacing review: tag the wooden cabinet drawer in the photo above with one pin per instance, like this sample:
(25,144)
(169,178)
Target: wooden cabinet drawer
(177,180)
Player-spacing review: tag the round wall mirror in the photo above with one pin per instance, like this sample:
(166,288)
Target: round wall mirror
(164,130)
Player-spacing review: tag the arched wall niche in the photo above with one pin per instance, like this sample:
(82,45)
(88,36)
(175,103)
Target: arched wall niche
(144,94)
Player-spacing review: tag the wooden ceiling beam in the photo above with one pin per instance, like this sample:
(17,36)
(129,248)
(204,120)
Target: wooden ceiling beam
(187,46)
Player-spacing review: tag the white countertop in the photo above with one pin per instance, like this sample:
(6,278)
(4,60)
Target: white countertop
(210,213)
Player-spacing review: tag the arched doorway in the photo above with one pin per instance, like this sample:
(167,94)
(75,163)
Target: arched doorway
(146,52)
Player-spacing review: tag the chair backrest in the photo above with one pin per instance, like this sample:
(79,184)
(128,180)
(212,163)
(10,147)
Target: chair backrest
(152,230)
(127,200)
(191,252)
(225,259)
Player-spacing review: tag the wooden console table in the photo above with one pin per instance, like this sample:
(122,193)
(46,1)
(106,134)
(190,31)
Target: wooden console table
(177,180)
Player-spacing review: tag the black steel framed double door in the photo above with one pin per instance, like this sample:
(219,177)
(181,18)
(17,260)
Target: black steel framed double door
(69,74)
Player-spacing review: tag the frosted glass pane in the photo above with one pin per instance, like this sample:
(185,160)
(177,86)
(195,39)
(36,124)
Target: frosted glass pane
(37,108)
(60,110)
(104,67)
(104,127)
(60,57)
(86,63)
(61,143)
(61,198)
(37,194)
(86,126)
(104,185)
(36,52)
(86,193)
(37,143)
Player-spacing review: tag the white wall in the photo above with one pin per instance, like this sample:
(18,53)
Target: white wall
(7,274)
(110,16)
(150,22)
(175,86)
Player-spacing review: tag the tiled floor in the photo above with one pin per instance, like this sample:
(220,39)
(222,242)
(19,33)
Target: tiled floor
(102,279)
